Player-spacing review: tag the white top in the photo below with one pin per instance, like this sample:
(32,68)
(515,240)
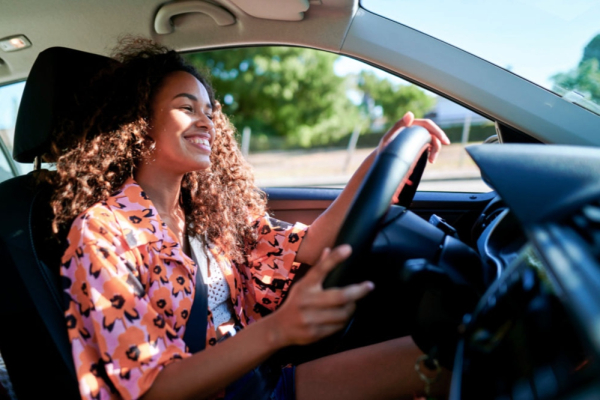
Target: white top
(219,296)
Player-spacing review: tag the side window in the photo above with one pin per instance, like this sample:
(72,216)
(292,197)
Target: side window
(10,97)
(5,168)
(309,118)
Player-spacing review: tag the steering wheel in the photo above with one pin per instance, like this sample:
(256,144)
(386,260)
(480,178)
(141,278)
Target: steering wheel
(392,167)
(368,210)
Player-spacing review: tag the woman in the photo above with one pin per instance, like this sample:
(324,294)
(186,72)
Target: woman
(158,187)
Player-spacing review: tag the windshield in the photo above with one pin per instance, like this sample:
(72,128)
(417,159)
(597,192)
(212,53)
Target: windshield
(555,44)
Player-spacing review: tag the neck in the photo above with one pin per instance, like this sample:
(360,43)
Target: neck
(163,189)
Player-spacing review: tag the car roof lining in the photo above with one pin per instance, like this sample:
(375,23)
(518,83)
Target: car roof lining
(96,26)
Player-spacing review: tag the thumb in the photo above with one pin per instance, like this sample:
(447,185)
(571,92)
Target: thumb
(328,261)
(408,118)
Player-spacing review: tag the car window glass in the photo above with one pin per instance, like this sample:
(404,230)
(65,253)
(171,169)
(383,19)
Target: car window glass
(555,44)
(10,97)
(5,170)
(309,118)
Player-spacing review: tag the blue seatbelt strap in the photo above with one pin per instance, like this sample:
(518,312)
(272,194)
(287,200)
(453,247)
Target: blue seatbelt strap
(256,384)
(195,329)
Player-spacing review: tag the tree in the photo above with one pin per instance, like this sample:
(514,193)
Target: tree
(592,50)
(586,77)
(394,99)
(285,92)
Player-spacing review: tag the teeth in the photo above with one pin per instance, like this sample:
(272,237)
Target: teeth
(197,140)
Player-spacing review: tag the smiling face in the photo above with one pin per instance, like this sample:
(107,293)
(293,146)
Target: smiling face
(181,125)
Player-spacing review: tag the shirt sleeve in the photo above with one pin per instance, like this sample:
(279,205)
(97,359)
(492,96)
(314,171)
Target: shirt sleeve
(119,340)
(272,261)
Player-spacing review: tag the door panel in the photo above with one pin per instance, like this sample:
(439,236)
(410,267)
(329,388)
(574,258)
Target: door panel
(460,210)
(299,204)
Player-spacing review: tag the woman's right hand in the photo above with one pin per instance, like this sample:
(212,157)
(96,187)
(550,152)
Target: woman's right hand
(310,312)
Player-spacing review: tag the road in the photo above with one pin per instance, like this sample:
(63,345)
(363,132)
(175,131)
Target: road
(453,170)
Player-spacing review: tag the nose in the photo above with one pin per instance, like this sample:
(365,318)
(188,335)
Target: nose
(204,122)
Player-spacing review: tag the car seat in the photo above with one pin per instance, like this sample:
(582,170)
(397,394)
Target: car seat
(33,337)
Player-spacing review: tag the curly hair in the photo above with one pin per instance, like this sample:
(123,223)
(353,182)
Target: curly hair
(110,139)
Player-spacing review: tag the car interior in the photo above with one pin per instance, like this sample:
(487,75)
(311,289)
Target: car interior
(499,287)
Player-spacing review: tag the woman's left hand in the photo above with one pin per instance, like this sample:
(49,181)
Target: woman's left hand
(438,137)
(326,228)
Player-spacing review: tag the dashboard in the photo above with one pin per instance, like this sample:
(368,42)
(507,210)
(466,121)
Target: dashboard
(535,333)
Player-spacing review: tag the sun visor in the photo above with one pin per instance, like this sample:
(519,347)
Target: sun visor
(288,10)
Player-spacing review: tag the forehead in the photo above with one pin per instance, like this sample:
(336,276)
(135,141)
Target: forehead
(179,82)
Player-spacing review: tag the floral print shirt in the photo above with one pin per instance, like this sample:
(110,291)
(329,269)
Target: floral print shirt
(129,289)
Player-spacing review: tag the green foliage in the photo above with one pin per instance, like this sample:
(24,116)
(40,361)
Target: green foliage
(592,49)
(281,91)
(586,77)
(394,99)
(292,97)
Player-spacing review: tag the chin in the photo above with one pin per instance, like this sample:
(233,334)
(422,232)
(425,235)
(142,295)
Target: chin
(205,166)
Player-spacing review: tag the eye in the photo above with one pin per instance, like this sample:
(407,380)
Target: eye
(187,108)
(209,116)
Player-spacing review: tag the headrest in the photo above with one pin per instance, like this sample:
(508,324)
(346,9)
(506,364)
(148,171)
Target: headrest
(57,75)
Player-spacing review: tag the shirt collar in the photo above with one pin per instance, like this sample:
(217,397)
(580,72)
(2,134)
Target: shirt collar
(138,218)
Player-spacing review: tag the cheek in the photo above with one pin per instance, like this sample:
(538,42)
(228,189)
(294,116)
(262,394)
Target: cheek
(161,130)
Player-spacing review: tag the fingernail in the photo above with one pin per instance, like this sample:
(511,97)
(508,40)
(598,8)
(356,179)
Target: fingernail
(345,249)
(370,285)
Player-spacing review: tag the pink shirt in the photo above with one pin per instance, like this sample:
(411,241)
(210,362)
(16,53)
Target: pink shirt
(130,289)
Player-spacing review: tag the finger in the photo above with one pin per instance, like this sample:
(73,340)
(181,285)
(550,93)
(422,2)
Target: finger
(358,291)
(340,297)
(324,254)
(436,146)
(433,129)
(403,122)
(396,196)
(348,294)
(327,262)
(408,118)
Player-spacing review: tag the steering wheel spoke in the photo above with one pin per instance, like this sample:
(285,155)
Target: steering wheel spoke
(391,168)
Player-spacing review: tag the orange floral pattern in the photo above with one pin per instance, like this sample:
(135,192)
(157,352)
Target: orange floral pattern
(130,289)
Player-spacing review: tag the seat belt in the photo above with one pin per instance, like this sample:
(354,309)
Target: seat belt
(195,329)
(258,383)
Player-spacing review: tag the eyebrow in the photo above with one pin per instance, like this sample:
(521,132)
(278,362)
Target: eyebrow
(189,96)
